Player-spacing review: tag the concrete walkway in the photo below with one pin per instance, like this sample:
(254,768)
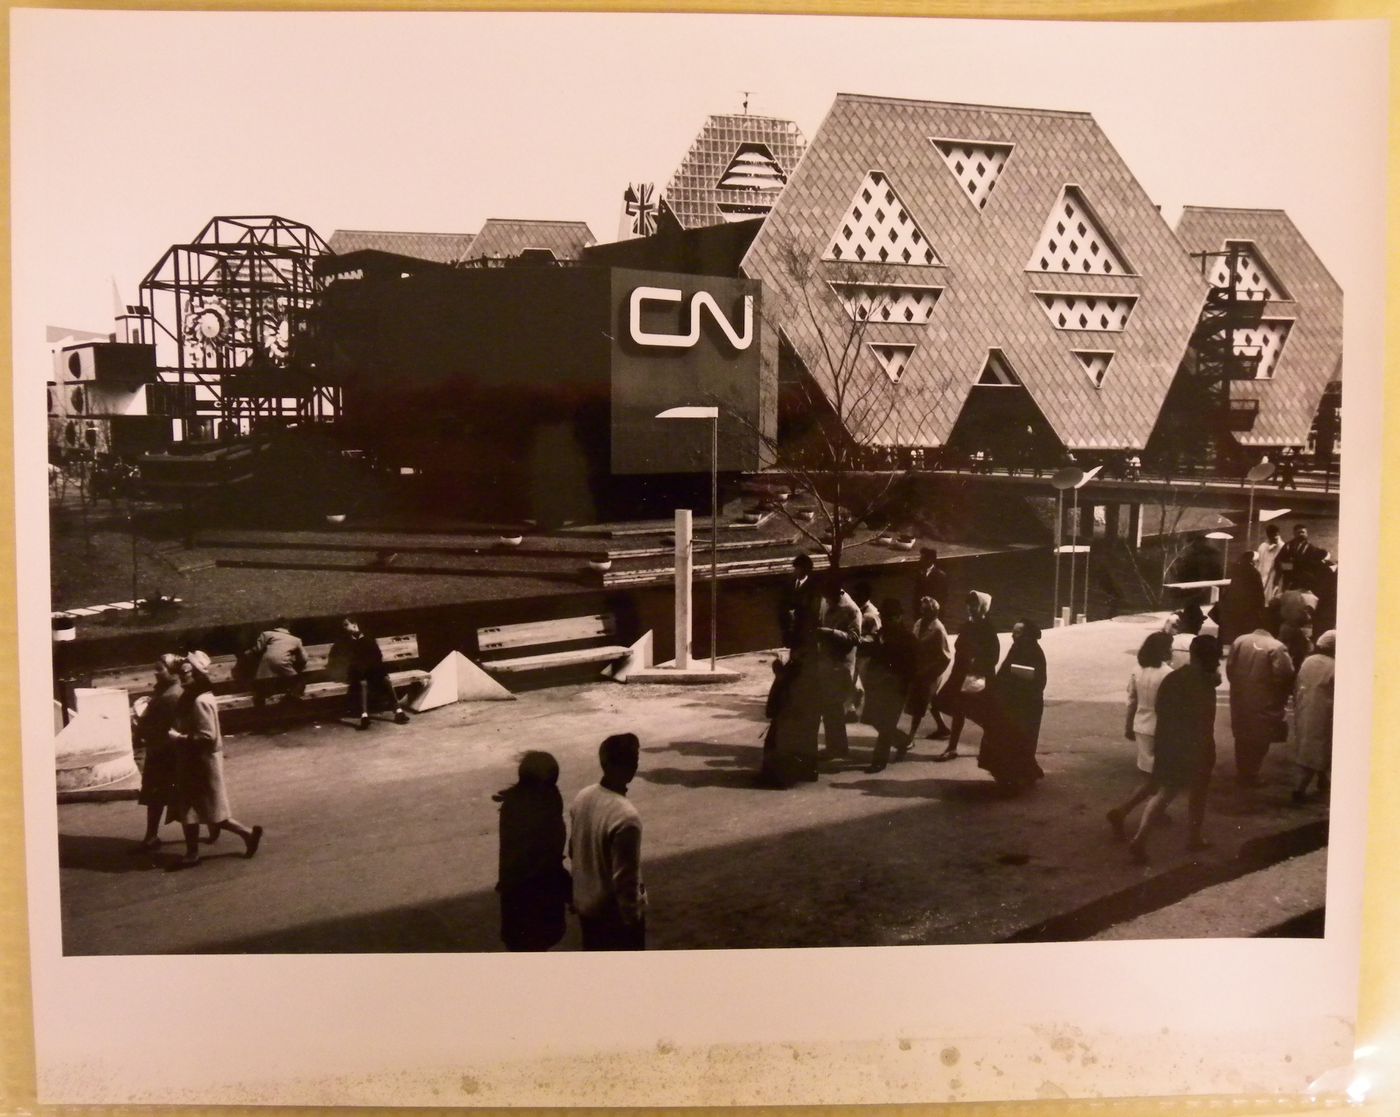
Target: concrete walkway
(386,840)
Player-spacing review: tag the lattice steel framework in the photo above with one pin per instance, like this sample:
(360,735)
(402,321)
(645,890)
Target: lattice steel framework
(233,310)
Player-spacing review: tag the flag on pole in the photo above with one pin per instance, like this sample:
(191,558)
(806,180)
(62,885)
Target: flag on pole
(638,211)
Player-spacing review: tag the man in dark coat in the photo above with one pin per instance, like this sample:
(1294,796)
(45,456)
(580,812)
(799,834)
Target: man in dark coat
(932,580)
(800,608)
(1184,750)
(1299,562)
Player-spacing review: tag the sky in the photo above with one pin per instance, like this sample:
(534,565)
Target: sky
(130,130)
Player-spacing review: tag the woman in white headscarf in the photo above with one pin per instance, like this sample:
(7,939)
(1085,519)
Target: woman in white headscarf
(1312,716)
(966,693)
(198,742)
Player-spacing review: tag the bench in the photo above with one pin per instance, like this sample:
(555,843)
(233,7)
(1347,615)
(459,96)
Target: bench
(545,638)
(231,694)
(1212,584)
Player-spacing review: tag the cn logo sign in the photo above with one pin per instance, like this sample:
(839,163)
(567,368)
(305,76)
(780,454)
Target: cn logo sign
(700,301)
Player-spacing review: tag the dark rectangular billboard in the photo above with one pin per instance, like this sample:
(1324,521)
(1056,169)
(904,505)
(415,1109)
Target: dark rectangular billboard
(684,340)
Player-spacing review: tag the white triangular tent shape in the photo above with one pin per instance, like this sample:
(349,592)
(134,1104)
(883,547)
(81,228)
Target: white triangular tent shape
(997,373)
(976,164)
(641,655)
(1074,242)
(894,359)
(878,229)
(457,679)
(1095,365)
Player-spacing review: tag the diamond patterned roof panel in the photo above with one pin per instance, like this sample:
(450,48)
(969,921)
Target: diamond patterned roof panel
(502,238)
(736,168)
(989,299)
(1311,354)
(440,248)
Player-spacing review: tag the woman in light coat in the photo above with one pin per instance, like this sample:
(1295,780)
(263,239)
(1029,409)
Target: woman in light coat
(200,796)
(1154,664)
(1312,716)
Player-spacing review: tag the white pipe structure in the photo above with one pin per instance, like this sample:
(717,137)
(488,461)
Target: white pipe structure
(1088,476)
(1261,472)
(1068,478)
(712,414)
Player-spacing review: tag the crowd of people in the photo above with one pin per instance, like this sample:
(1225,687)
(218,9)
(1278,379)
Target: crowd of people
(848,658)
(1278,644)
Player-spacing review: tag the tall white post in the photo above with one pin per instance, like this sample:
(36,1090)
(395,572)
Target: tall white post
(683,587)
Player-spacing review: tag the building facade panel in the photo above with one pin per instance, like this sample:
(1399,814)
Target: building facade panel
(1311,355)
(990,293)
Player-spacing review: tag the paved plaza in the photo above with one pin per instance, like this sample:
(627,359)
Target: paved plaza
(386,840)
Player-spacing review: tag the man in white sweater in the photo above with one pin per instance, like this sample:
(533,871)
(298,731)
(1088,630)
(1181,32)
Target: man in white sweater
(605,848)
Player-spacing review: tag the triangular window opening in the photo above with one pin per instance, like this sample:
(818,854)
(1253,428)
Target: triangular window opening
(1074,241)
(1096,313)
(976,164)
(877,229)
(752,167)
(1251,272)
(894,359)
(888,302)
(997,372)
(1095,364)
(1266,342)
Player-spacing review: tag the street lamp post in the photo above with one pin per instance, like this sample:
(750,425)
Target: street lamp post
(712,414)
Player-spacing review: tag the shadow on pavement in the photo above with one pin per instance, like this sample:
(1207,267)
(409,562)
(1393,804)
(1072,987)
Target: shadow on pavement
(995,883)
(104,854)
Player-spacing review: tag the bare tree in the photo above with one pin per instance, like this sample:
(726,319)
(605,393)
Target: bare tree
(845,460)
(1153,567)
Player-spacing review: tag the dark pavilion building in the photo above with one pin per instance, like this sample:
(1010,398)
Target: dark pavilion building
(919,277)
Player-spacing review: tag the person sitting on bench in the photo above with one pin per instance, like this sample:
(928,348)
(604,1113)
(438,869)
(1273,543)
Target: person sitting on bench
(281,661)
(365,673)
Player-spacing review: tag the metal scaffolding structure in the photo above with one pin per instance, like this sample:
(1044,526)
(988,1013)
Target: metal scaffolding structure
(232,312)
(1220,358)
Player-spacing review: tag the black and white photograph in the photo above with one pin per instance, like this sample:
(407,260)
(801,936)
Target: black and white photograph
(842,529)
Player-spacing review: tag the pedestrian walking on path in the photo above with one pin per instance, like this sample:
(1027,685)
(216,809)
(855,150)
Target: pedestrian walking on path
(1154,663)
(1017,704)
(1184,749)
(793,709)
(965,696)
(932,580)
(1261,679)
(357,653)
(862,594)
(1242,604)
(152,724)
(888,678)
(1266,559)
(837,639)
(200,794)
(1312,717)
(931,660)
(533,884)
(605,849)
